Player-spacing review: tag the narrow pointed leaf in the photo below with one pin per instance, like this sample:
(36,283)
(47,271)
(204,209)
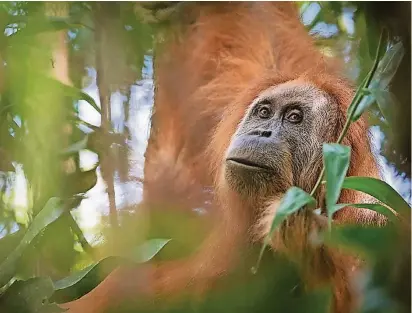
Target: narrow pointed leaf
(81,182)
(294,199)
(69,91)
(51,212)
(379,190)
(77,146)
(29,296)
(148,250)
(389,65)
(386,101)
(79,94)
(84,96)
(86,279)
(364,104)
(381,209)
(336,158)
(384,73)
(367,241)
(109,264)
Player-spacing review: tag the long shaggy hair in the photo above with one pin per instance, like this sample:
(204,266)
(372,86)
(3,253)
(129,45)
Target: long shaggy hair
(208,71)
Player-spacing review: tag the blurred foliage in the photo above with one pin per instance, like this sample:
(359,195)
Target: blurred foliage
(352,32)
(47,54)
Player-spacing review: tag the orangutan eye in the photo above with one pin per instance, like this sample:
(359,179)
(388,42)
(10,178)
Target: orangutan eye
(264,111)
(294,116)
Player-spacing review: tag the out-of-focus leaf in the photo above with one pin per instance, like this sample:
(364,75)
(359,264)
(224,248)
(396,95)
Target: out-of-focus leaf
(73,92)
(84,96)
(80,95)
(386,102)
(366,240)
(388,66)
(384,73)
(62,23)
(38,25)
(336,158)
(336,7)
(81,182)
(77,146)
(377,300)
(379,190)
(88,278)
(381,209)
(364,49)
(9,242)
(51,212)
(372,35)
(30,296)
(70,91)
(294,199)
(101,269)
(148,250)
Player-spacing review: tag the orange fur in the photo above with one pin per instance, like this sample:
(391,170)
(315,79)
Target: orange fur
(206,76)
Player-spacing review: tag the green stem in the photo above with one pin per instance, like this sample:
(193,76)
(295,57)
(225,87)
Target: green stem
(80,236)
(354,105)
(357,99)
(318,182)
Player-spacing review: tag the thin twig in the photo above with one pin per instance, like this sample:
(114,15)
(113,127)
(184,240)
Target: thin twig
(358,96)
(354,105)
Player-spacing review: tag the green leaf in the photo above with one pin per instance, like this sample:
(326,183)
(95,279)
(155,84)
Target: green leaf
(83,281)
(360,92)
(109,264)
(294,199)
(148,250)
(379,190)
(30,296)
(386,102)
(336,7)
(84,96)
(9,242)
(62,23)
(381,209)
(368,241)
(70,91)
(336,158)
(372,33)
(39,24)
(364,104)
(51,212)
(388,66)
(80,182)
(79,94)
(365,54)
(384,73)
(77,146)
